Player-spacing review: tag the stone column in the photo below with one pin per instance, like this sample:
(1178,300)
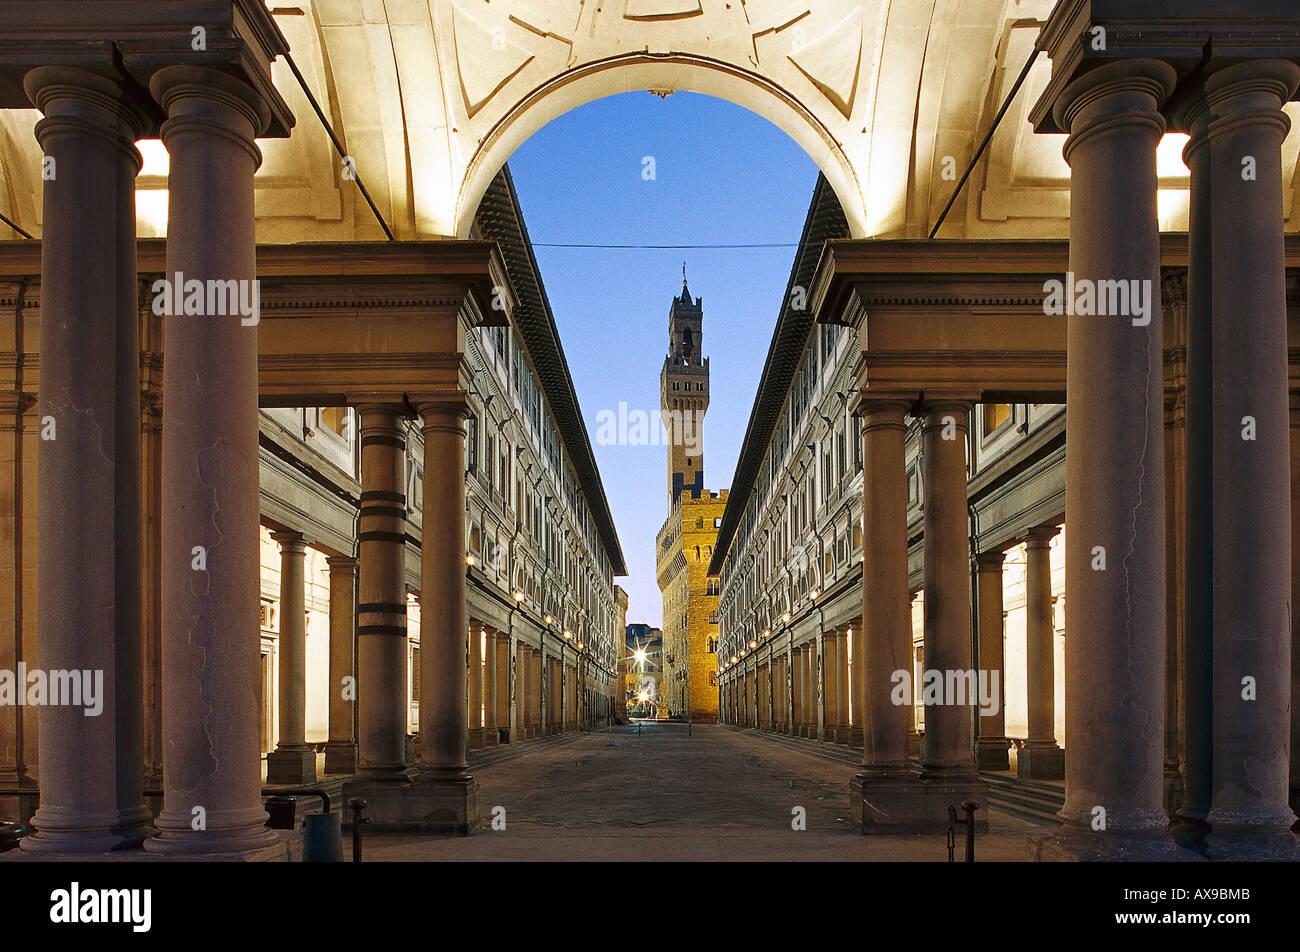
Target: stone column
(382,696)
(341,748)
(822,689)
(810,688)
(885,795)
(827,706)
(491,685)
(1115,479)
(1198,524)
(89,609)
(857,684)
(212,765)
(292,761)
(1249,813)
(842,687)
(476,692)
(1040,758)
(947,759)
(448,795)
(519,690)
(991,751)
(538,673)
(796,692)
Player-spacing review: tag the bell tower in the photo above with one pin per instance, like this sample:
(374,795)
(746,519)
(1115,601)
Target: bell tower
(684,395)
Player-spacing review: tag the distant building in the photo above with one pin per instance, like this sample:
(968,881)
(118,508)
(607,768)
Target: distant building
(685,543)
(644,672)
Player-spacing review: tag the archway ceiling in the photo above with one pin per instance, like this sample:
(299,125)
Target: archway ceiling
(431,96)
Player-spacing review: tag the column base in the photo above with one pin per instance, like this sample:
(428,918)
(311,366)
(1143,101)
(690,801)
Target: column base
(239,842)
(277,852)
(477,739)
(855,737)
(491,737)
(915,745)
(993,753)
(901,802)
(69,832)
(291,765)
(430,805)
(340,757)
(1119,847)
(1040,763)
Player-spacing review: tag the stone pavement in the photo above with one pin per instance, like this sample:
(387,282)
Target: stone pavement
(721,794)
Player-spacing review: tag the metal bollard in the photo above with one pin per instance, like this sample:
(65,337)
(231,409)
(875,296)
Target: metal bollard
(952,830)
(357,804)
(970,806)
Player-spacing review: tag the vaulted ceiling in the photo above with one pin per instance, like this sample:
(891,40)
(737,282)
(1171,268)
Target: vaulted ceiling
(430,97)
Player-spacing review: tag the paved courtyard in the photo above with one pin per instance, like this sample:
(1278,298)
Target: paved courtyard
(720,794)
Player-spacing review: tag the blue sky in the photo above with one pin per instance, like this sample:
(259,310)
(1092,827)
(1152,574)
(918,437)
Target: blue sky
(722,175)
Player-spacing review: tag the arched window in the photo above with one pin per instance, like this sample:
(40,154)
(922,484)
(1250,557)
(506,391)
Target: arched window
(697,553)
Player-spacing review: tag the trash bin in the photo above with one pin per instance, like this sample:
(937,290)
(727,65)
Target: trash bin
(322,838)
(283,812)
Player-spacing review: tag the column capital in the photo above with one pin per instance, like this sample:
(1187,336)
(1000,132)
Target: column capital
(883,405)
(209,101)
(936,412)
(1251,93)
(1040,537)
(435,409)
(990,561)
(290,541)
(1124,92)
(340,565)
(79,101)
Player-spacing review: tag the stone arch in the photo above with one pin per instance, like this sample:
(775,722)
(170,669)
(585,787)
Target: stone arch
(655,71)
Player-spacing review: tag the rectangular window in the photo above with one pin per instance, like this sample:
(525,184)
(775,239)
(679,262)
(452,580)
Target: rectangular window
(415,675)
(995,416)
(471,444)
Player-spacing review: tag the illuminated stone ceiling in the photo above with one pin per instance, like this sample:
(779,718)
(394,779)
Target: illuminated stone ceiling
(430,97)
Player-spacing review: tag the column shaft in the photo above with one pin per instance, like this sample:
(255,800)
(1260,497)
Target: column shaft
(444,625)
(382,695)
(1115,480)
(476,678)
(210,549)
(292,761)
(1040,758)
(491,685)
(341,748)
(89,542)
(947,590)
(1251,459)
(993,744)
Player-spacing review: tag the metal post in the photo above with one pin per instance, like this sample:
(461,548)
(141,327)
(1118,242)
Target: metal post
(357,804)
(970,806)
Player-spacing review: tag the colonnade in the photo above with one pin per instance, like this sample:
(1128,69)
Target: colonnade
(1237,656)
